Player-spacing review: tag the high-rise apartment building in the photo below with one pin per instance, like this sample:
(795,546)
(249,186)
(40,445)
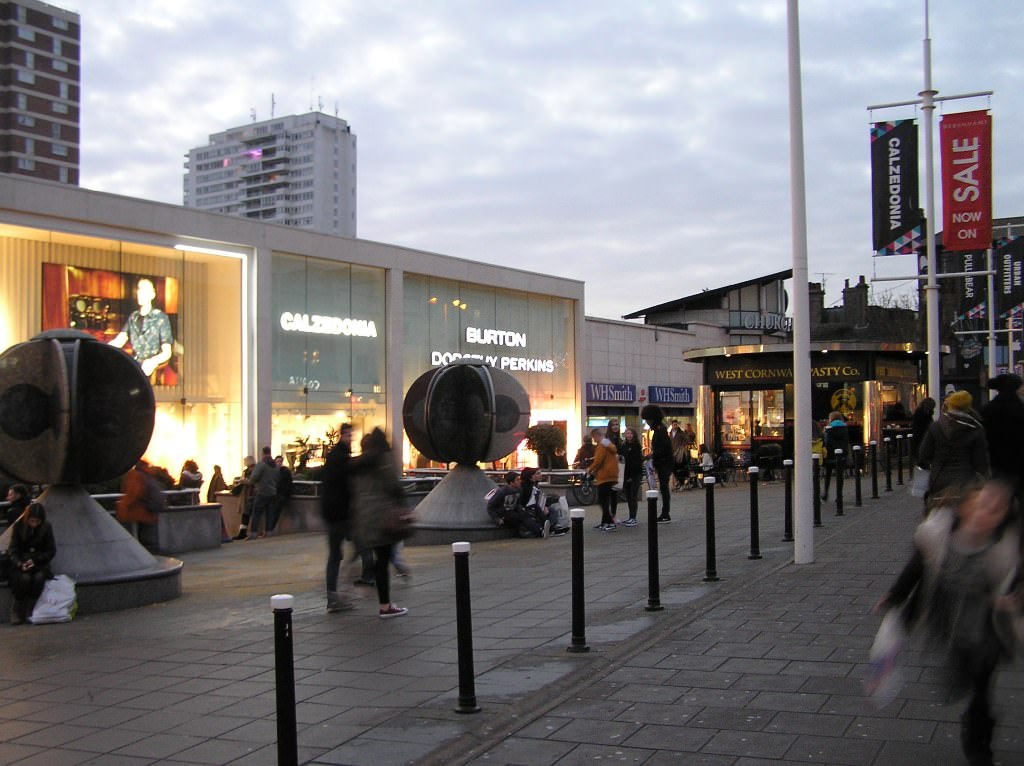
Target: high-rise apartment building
(298,170)
(39,90)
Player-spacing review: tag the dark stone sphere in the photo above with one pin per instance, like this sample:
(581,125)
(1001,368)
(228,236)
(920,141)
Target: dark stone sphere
(466,412)
(72,409)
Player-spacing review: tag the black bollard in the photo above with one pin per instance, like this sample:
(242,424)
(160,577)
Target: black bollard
(579,638)
(464,630)
(284,677)
(899,459)
(787,532)
(840,460)
(653,586)
(858,462)
(816,478)
(874,469)
(888,464)
(755,534)
(711,572)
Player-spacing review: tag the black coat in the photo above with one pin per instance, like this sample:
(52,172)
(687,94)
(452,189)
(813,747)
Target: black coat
(955,450)
(1003,418)
(335,484)
(633,456)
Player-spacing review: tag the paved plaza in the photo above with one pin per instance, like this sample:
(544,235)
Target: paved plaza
(763,666)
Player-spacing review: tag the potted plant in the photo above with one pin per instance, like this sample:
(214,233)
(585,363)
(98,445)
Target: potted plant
(544,439)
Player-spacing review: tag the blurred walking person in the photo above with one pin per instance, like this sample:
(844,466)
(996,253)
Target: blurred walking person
(375,486)
(961,588)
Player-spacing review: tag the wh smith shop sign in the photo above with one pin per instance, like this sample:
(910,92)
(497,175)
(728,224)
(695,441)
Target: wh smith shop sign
(626,393)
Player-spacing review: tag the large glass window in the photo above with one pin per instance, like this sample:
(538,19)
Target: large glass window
(328,353)
(528,335)
(178,314)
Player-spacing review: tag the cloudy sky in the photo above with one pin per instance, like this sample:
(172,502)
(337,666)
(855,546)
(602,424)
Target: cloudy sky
(642,147)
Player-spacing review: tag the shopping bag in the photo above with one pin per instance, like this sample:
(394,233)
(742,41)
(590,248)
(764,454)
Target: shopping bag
(622,475)
(922,478)
(57,602)
(884,678)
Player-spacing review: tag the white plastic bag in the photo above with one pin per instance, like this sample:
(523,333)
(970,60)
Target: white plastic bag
(884,678)
(622,475)
(922,478)
(57,602)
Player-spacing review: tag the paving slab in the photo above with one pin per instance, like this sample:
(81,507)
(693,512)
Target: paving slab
(762,666)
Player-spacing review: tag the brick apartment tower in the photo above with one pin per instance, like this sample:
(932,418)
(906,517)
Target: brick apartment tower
(39,90)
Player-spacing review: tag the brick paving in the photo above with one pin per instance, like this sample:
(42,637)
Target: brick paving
(762,667)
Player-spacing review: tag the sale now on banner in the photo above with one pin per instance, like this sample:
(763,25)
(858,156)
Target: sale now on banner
(966,140)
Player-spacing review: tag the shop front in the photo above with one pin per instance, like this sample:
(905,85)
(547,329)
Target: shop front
(177,311)
(256,335)
(747,398)
(625,401)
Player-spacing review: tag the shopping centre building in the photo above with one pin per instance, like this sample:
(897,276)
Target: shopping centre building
(261,334)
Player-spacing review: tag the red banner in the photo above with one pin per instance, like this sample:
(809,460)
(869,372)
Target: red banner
(966,140)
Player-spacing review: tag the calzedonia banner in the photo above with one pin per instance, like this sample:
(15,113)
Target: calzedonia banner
(898,223)
(966,142)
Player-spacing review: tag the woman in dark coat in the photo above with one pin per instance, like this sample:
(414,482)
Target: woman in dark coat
(632,455)
(31,550)
(923,417)
(954,448)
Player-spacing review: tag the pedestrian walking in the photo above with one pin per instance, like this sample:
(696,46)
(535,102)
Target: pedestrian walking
(954,449)
(961,590)
(376,488)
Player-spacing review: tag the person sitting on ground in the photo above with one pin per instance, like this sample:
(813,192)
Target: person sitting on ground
(505,510)
(32,548)
(542,507)
(17,496)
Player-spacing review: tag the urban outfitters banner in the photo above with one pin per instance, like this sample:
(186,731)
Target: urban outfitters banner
(898,222)
(966,141)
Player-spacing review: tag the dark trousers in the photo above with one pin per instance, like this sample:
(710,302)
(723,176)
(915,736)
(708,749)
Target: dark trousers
(335,546)
(382,557)
(606,496)
(631,488)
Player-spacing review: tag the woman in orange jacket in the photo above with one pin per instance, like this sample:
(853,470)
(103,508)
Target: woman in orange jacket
(605,470)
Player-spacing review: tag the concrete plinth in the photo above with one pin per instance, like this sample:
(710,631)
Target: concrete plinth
(111,569)
(456,509)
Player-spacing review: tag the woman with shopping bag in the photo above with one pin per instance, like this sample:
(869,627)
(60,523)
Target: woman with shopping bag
(31,550)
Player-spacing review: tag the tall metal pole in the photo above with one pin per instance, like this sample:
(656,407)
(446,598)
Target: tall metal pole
(991,311)
(931,290)
(803,546)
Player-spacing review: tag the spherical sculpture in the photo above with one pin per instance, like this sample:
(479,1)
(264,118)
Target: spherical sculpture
(466,412)
(72,410)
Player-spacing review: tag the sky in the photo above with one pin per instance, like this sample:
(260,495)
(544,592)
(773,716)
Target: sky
(640,147)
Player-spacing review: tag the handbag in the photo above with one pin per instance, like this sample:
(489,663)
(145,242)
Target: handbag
(922,480)
(396,521)
(57,602)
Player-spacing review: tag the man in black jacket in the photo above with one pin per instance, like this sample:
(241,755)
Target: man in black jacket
(334,507)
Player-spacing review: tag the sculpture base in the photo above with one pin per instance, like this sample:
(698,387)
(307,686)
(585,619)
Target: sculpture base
(456,510)
(110,568)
